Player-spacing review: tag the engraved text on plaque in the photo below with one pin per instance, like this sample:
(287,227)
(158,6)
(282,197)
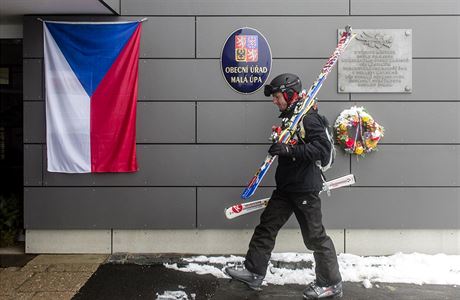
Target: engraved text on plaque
(377,61)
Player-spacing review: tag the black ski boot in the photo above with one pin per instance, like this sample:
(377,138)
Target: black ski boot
(240,273)
(313,291)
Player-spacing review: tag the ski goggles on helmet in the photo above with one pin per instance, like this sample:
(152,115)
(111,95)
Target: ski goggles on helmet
(270,89)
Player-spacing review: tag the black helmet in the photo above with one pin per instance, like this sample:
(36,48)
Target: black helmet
(286,82)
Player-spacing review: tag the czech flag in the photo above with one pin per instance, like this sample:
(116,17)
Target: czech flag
(91,78)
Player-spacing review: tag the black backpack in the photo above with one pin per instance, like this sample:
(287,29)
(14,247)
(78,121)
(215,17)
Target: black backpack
(324,166)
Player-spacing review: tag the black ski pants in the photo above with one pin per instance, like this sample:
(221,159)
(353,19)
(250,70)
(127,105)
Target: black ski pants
(307,209)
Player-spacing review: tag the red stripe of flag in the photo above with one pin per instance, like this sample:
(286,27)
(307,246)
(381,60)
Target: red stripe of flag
(113,113)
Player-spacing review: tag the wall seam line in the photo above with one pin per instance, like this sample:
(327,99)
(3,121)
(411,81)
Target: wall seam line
(196,208)
(196,122)
(43,165)
(285,16)
(195,37)
(233,186)
(275,57)
(111,240)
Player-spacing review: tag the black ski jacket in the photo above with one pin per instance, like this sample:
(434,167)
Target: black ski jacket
(299,173)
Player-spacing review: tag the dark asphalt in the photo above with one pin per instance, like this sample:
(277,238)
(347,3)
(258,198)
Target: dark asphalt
(15,260)
(132,281)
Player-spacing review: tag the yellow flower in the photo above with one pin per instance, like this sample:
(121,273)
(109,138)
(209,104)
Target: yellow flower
(370,144)
(359,150)
(365,118)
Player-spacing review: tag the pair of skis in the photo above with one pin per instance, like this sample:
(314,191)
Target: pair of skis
(249,207)
(289,126)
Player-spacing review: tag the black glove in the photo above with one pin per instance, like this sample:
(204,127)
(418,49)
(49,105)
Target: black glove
(280,150)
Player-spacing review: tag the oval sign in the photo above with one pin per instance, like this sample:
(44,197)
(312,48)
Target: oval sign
(246,60)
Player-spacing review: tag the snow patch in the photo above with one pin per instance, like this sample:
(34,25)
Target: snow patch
(413,268)
(367,284)
(292,257)
(222,260)
(172,295)
(198,269)
(176,295)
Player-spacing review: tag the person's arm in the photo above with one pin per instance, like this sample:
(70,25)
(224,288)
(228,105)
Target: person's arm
(318,145)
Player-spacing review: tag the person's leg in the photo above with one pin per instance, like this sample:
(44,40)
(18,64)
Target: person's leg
(275,215)
(308,213)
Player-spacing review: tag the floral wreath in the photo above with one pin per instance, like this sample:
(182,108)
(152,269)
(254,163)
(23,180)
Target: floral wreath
(357,132)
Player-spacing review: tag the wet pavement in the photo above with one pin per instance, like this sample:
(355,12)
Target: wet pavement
(144,277)
(124,276)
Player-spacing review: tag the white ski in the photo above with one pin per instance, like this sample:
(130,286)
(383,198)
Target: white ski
(249,207)
(245,208)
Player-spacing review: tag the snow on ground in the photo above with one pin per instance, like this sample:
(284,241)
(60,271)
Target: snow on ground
(198,269)
(172,295)
(413,268)
(176,295)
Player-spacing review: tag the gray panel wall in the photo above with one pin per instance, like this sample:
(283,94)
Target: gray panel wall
(308,43)
(113,4)
(407,7)
(236,7)
(199,142)
(114,207)
(371,208)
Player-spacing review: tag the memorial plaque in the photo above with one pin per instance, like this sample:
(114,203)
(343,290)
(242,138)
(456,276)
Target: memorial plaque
(377,61)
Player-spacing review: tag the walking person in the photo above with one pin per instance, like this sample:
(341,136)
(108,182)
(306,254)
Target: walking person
(298,183)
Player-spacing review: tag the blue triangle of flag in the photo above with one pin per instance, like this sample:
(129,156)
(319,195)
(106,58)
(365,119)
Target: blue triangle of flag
(91,49)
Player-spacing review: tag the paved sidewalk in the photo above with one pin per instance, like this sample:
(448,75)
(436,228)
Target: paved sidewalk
(137,276)
(48,277)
